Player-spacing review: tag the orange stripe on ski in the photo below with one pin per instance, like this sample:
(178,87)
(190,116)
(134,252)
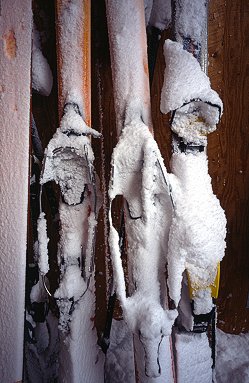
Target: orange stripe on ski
(86,47)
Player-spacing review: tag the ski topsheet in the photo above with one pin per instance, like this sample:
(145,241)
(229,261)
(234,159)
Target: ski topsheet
(15,58)
(69,162)
(138,174)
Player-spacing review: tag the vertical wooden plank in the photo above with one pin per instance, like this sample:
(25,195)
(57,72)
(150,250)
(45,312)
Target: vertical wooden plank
(15,64)
(228,154)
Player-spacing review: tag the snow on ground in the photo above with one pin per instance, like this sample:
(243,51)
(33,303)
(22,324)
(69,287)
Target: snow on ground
(232,362)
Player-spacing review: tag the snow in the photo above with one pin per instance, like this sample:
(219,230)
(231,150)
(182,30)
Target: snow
(69,156)
(73,121)
(138,175)
(203,303)
(42,244)
(148,4)
(120,364)
(72,284)
(69,162)
(194,361)
(198,230)
(41,358)
(190,17)
(184,81)
(38,293)
(42,78)
(193,358)
(135,162)
(15,63)
(160,16)
(232,358)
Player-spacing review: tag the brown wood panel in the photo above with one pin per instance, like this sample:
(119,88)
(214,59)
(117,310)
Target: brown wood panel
(228,153)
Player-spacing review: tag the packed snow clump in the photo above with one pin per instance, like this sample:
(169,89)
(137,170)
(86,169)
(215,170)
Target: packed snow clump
(187,92)
(69,156)
(190,17)
(42,244)
(198,230)
(158,13)
(140,176)
(42,78)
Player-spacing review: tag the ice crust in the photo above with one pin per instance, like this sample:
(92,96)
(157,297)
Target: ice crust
(184,81)
(232,357)
(69,157)
(137,176)
(194,361)
(42,78)
(42,244)
(198,230)
(190,17)
(158,14)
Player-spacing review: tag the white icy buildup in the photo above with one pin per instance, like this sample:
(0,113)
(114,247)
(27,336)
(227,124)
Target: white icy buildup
(194,360)
(160,14)
(42,78)
(73,122)
(137,175)
(190,17)
(185,83)
(232,358)
(120,364)
(148,4)
(65,157)
(198,230)
(69,162)
(72,284)
(42,244)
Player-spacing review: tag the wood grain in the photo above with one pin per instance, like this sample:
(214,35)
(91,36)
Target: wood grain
(228,154)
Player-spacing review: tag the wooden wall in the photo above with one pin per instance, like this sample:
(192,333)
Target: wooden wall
(227,148)
(229,153)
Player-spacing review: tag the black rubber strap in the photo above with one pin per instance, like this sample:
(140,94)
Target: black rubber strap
(74,105)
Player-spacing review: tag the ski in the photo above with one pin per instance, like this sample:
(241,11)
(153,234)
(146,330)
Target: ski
(69,161)
(15,58)
(195,110)
(41,325)
(139,175)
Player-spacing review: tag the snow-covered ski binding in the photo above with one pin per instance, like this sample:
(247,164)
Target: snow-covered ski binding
(197,234)
(69,162)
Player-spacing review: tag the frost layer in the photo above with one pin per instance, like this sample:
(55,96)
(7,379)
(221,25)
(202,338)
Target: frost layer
(186,90)
(198,230)
(138,175)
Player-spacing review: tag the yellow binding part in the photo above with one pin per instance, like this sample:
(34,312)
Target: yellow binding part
(214,287)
